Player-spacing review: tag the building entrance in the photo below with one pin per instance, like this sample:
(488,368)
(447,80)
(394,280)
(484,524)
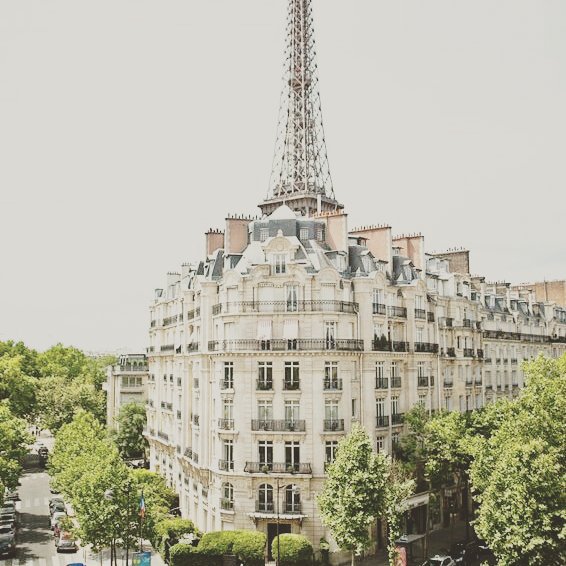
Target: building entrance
(272,533)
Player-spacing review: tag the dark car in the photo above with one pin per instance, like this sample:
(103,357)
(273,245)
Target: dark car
(66,542)
(464,553)
(8,517)
(11,495)
(439,560)
(57,507)
(7,541)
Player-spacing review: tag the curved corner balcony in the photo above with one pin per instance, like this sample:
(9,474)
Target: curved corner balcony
(285,307)
(282,345)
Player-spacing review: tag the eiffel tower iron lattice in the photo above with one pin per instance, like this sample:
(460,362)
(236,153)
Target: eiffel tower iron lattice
(300,164)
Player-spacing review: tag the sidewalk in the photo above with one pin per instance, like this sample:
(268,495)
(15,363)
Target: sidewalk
(95,558)
(438,541)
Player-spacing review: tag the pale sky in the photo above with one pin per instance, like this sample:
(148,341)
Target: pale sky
(129,127)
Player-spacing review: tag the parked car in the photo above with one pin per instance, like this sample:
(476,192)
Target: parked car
(8,522)
(7,541)
(8,506)
(66,542)
(464,553)
(9,517)
(439,560)
(57,507)
(55,518)
(11,495)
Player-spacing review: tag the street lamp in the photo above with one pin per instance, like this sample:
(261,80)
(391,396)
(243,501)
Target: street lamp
(294,490)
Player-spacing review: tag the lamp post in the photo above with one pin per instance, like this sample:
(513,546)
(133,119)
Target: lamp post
(294,490)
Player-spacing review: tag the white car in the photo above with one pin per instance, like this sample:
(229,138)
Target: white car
(55,518)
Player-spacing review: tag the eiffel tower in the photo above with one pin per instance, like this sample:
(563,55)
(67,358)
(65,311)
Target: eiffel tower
(300,176)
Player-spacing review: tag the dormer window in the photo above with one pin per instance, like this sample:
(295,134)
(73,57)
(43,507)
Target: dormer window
(304,234)
(320,233)
(279,263)
(263,234)
(366,261)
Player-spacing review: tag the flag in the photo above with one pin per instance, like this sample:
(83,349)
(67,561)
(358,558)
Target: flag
(142,506)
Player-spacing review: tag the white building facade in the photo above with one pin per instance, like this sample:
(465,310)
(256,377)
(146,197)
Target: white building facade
(263,355)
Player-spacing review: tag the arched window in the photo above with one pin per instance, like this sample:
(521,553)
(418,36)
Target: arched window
(265,500)
(292,499)
(227,501)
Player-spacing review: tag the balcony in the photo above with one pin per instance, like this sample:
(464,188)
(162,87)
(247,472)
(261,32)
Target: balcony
(196,420)
(195,313)
(381,345)
(264,506)
(167,348)
(488,360)
(226,424)
(426,347)
(291,508)
(448,383)
(179,415)
(399,346)
(226,465)
(399,312)
(281,345)
(397,419)
(170,320)
(467,323)
(479,353)
(264,385)
(396,382)
(285,306)
(192,348)
(469,382)
(478,381)
(513,361)
(166,406)
(333,385)
(382,421)
(277,468)
(430,316)
(469,353)
(227,384)
(378,308)
(451,352)
(272,425)
(422,381)
(226,504)
(381,383)
(163,435)
(152,324)
(446,322)
(291,385)
(333,425)
(420,314)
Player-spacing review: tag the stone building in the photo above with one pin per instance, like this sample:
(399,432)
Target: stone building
(293,326)
(126,382)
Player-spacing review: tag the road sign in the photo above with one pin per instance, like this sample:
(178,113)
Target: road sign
(141,559)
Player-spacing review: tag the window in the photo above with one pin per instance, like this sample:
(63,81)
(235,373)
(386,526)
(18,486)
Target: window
(380,443)
(377,298)
(378,331)
(395,405)
(227,496)
(419,335)
(292,294)
(395,438)
(394,369)
(330,448)
(331,375)
(331,411)
(228,375)
(423,399)
(419,302)
(265,376)
(291,411)
(380,407)
(265,497)
(379,370)
(292,375)
(421,369)
(292,456)
(330,335)
(304,234)
(265,453)
(292,499)
(264,410)
(263,234)
(228,410)
(228,452)
(320,233)
(354,408)
(448,402)
(279,263)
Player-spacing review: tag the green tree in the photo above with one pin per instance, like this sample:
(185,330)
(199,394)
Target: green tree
(129,437)
(518,473)
(17,387)
(14,440)
(354,492)
(29,357)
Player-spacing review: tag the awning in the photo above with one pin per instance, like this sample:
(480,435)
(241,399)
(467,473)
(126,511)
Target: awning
(291,329)
(264,329)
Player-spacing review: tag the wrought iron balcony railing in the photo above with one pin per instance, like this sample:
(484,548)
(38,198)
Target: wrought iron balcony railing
(426,347)
(381,383)
(420,314)
(277,468)
(378,308)
(226,465)
(282,345)
(285,306)
(422,381)
(291,385)
(399,312)
(226,424)
(278,425)
(382,421)
(397,418)
(333,385)
(333,424)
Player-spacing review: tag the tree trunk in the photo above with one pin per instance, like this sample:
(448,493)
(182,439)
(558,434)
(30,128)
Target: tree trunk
(427,528)
(353,558)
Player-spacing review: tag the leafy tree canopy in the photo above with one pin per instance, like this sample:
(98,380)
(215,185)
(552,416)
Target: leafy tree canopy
(29,358)
(14,440)
(16,387)
(354,492)
(519,471)
(129,437)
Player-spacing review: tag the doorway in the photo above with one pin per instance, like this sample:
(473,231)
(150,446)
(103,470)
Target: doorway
(272,533)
